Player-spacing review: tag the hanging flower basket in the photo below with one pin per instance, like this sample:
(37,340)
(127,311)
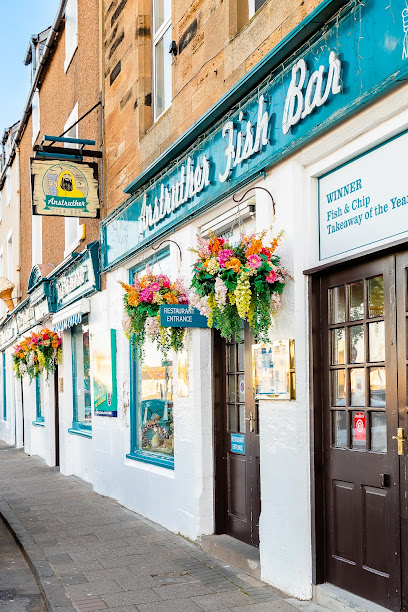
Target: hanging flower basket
(238,282)
(37,353)
(142,302)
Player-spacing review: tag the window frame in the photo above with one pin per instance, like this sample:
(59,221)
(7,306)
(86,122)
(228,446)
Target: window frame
(39,416)
(144,456)
(78,427)
(71,31)
(156,38)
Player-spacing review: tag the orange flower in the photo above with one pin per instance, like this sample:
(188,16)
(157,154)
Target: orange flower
(214,245)
(126,286)
(170,298)
(255,248)
(54,344)
(205,264)
(133,298)
(234,264)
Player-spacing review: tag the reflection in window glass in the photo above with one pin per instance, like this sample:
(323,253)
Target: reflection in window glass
(377,386)
(376,297)
(241,357)
(358,430)
(337,304)
(357,344)
(242,423)
(231,365)
(338,343)
(39,410)
(339,427)
(338,387)
(232,418)
(241,387)
(81,376)
(357,387)
(376,338)
(356,300)
(378,432)
(156,402)
(162,12)
(231,388)
(162,65)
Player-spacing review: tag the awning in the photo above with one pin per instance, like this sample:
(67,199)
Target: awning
(69,322)
(71,315)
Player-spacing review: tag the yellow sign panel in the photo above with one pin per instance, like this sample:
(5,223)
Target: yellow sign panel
(64,189)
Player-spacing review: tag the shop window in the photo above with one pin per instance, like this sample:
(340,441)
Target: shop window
(161,56)
(81,379)
(39,408)
(152,429)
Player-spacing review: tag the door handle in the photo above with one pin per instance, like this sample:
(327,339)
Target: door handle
(251,421)
(400,439)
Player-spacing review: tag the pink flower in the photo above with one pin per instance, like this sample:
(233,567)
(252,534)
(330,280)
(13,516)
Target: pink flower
(183,299)
(146,295)
(165,281)
(254,261)
(154,287)
(271,278)
(223,256)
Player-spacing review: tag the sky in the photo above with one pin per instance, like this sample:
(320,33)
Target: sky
(19,20)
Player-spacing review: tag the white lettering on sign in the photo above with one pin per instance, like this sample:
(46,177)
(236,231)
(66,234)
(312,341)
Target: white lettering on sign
(298,104)
(71,281)
(246,144)
(192,181)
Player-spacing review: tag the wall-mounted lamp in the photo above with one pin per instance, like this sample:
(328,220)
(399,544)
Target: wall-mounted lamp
(173,48)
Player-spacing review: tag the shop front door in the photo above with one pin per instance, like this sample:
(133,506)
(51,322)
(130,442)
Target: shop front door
(237,440)
(363,351)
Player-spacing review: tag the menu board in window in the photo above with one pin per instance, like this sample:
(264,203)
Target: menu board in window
(274,370)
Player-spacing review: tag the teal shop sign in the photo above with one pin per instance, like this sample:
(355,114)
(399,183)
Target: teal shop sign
(79,278)
(181,316)
(359,54)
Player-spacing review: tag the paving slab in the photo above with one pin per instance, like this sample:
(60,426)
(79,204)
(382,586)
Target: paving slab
(88,553)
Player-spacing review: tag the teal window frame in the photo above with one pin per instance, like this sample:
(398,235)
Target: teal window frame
(39,417)
(4,381)
(78,427)
(135,453)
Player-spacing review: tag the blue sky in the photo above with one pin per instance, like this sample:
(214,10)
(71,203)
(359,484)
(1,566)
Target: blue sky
(19,20)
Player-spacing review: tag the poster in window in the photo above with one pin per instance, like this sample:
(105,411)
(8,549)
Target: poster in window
(104,373)
(274,370)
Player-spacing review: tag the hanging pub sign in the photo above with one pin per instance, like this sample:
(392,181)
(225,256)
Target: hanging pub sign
(64,189)
(104,372)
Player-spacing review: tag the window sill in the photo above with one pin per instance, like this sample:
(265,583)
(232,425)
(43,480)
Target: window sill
(81,432)
(39,423)
(152,458)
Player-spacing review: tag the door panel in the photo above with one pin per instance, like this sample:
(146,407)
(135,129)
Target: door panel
(360,416)
(237,425)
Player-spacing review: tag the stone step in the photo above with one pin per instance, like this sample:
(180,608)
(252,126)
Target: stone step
(338,600)
(231,551)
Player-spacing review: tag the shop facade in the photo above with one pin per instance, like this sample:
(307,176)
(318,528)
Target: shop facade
(312,141)
(281,487)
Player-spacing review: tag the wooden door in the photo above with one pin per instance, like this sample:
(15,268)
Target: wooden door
(360,418)
(237,440)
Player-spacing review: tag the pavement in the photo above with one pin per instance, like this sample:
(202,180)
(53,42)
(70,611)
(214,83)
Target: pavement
(19,591)
(89,553)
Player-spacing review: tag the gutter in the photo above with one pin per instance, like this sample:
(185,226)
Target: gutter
(37,77)
(284,49)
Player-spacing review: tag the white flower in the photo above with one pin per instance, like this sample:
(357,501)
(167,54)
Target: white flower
(152,327)
(221,291)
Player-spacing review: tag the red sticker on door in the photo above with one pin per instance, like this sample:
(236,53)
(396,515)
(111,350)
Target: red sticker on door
(359,426)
